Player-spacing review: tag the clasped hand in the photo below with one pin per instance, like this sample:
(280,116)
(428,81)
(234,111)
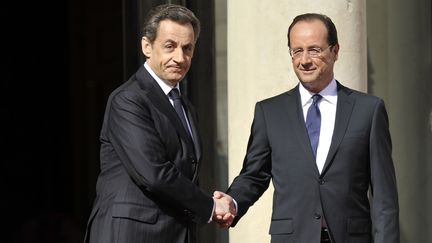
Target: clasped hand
(225,210)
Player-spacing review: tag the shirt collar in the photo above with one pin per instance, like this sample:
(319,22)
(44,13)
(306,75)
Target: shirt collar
(165,87)
(329,93)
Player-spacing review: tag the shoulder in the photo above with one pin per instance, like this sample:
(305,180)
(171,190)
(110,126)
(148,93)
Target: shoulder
(280,99)
(358,96)
(138,86)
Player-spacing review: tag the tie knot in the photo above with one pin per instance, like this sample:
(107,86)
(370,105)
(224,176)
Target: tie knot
(174,94)
(316,98)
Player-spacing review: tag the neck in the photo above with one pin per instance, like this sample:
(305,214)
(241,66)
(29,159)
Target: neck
(315,87)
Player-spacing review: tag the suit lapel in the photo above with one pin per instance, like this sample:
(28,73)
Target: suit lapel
(158,97)
(344,109)
(196,138)
(295,111)
(194,128)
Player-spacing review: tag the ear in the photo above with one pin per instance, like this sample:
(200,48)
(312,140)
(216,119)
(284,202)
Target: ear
(146,47)
(336,51)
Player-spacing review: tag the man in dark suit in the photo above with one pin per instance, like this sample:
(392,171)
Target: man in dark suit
(323,146)
(150,147)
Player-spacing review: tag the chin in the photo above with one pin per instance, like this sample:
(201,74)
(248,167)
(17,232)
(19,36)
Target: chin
(174,79)
(308,80)
(176,76)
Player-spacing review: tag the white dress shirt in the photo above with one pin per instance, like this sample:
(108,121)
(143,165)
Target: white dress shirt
(327,107)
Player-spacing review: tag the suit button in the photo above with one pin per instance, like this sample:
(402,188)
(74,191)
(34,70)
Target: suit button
(317,216)
(187,214)
(321,181)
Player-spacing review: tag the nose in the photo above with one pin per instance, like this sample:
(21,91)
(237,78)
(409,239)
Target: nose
(305,58)
(179,55)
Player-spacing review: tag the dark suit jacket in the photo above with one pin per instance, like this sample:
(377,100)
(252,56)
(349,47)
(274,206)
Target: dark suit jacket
(147,188)
(359,157)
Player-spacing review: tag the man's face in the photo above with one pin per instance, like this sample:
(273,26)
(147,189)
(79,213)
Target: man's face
(315,73)
(170,55)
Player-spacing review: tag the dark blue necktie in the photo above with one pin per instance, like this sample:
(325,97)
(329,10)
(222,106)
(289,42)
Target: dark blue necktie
(178,106)
(313,122)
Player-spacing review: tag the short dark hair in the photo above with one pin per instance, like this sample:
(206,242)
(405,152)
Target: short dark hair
(332,38)
(173,12)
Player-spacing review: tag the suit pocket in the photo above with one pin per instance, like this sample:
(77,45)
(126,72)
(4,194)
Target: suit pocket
(135,212)
(281,227)
(359,225)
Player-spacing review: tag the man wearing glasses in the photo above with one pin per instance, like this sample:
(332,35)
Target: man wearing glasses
(323,146)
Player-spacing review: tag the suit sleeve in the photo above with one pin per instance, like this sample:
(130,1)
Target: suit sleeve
(255,176)
(385,207)
(132,131)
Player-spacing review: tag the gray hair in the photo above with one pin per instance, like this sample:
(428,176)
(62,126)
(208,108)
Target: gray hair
(176,13)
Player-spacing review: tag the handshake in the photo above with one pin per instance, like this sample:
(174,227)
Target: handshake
(225,209)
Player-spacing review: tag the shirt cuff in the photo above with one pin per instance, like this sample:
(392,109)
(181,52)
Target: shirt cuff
(213,211)
(211,215)
(236,207)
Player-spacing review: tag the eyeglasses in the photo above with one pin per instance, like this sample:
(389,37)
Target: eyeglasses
(311,52)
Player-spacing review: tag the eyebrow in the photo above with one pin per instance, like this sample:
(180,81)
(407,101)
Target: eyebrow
(175,42)
(308,47)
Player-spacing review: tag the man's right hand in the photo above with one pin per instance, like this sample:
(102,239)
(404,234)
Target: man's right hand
(225,210)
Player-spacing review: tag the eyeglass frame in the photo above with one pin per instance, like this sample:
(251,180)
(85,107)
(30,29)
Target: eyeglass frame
(300,52)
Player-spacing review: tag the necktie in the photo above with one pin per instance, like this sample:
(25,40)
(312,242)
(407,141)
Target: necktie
(178,106)
(313,122)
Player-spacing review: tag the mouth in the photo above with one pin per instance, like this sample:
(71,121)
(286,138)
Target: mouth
(307,71)
(175,68)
